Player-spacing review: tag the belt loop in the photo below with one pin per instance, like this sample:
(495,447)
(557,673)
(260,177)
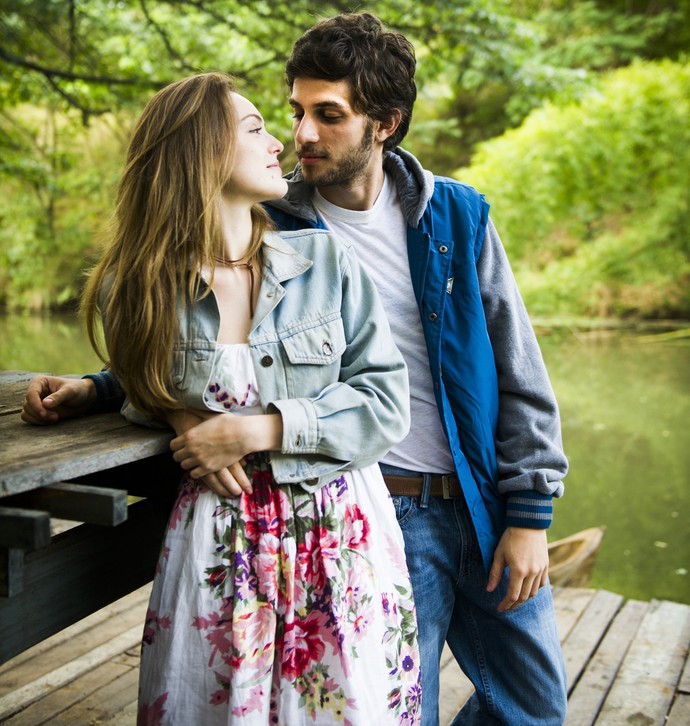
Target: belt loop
(426,488)
(445,483)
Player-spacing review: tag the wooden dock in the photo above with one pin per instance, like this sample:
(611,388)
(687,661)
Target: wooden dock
(627,663)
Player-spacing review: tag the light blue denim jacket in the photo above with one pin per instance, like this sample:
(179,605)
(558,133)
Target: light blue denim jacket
(323,356)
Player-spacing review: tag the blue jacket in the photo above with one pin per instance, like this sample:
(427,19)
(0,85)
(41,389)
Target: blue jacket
(329,366)
(492,391)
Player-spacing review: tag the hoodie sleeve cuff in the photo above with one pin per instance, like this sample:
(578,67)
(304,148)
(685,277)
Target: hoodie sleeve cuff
(529,509)
(109,393)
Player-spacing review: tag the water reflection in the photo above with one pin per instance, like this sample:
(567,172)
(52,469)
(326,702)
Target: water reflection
(625,407)
(53,344)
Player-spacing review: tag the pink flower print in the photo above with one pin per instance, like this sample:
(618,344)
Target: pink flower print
(302,645)
(357,528)
(309,562)
(254,630)
(222,695)
(357,620)
(153,625)
(265,563)
(165,553)
(220,637)
(152,715)
(330,552)
(396,554)
(257,525)
(253,702)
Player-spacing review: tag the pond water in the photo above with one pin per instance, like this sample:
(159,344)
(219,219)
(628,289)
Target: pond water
(625,405)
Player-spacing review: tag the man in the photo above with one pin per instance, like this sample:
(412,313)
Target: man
(473,481)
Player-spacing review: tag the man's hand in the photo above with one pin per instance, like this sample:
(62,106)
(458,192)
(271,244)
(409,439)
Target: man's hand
(525,553)
(50,399)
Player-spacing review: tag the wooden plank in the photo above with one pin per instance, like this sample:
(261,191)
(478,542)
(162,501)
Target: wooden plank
(584,637)
(590,691)
(646,683)
(13,386)
(455,688)
(11,572)
(24,529)
(126,717)
(684,685)
(41,687)
(83,570)
(680,712)
(110,698)
(76,641)
(36,456)
(569,604)
(79,502)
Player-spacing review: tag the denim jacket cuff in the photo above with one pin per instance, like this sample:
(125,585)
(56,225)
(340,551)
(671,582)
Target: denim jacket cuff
(299,426)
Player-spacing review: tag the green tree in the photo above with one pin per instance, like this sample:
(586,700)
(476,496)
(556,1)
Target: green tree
(592,198)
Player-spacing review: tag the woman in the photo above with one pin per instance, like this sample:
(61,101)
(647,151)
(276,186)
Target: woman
(281,595)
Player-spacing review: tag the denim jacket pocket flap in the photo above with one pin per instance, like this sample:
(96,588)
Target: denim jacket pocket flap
(178,366)
(321,344)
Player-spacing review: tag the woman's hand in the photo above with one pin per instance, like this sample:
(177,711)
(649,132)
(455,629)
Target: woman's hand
(228,481)
(221,441)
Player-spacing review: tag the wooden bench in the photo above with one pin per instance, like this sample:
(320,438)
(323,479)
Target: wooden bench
(116,479)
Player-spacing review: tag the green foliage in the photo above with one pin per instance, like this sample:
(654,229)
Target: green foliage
(74,75)
(592,199)
(543,50)
(57,186)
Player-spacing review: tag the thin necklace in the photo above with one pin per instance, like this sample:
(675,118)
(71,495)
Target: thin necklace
(250,267)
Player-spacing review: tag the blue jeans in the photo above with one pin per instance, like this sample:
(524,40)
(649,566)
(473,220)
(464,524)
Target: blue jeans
(513,658)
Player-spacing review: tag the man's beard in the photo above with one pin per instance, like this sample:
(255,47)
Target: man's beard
(349,168)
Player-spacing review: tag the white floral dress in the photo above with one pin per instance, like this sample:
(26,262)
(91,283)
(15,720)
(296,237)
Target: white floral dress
(283,606)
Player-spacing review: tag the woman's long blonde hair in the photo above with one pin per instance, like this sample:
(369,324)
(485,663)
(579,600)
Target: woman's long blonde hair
(165,227)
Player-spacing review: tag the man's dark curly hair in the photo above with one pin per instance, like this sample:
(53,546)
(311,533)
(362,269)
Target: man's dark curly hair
(380,65)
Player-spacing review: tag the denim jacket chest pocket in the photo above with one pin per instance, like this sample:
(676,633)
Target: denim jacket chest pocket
(322,343)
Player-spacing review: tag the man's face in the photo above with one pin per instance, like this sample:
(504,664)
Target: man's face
(334,143)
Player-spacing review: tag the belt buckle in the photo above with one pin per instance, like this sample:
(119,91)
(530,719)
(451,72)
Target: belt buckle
(445,485)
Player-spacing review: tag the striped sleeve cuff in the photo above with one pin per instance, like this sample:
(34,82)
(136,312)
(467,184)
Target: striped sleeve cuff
(529,509)
(109,393)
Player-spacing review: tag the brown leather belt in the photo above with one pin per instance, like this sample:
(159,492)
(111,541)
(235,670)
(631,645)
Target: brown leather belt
(443,485)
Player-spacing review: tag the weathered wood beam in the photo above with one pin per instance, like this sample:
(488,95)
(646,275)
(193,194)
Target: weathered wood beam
(24,529)
(78,502)
(11,572)
(83,570)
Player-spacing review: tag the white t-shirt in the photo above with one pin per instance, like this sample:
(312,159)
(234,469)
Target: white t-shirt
(379,236)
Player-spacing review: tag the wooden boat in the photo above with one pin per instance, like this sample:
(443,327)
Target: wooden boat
(571,559)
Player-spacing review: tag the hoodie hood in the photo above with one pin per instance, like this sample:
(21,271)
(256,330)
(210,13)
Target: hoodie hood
(415,186)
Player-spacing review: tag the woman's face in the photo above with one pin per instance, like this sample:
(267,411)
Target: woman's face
(256,175)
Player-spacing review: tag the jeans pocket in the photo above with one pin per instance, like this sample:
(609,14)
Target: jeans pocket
(404,509)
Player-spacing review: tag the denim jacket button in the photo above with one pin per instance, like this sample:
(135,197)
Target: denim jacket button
(267,361)
(443,249)
(433,317)
(326,348)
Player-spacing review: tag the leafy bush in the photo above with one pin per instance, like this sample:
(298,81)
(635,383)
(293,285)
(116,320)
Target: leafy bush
(592,198)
